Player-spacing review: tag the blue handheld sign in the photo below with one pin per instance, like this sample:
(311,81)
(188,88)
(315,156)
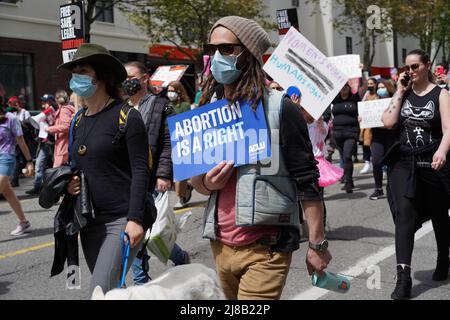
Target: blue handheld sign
(206,136)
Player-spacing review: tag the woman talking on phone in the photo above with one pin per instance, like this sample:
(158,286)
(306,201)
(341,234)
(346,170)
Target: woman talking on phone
(420,112)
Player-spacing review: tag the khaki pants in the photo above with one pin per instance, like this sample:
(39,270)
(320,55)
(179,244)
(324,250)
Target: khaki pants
(251,272)
(181,188)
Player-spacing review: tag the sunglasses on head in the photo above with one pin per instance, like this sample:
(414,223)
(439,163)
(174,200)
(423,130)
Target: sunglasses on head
(412,67)
(226,49)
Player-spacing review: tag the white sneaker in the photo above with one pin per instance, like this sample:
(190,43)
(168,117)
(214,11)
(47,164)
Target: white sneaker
(21,229)
(367,168)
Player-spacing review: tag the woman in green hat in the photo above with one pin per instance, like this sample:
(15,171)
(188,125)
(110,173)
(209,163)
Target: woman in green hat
(117,173)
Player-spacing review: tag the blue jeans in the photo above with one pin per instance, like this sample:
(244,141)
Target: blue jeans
(177,256)
(41,162)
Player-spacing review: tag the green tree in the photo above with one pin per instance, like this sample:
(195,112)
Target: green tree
(426,20)
(369,19)
(95,8)
(186,23)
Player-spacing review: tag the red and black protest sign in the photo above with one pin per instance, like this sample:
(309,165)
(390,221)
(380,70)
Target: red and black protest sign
(287,18)
(72,28)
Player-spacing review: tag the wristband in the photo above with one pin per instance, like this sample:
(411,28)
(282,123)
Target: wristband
(204,184)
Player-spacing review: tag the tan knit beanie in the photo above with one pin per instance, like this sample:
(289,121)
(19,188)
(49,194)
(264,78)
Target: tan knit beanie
(249,33)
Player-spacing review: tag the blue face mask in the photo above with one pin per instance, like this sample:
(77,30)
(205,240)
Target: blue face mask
(382,93)
(82,85)
(223,68)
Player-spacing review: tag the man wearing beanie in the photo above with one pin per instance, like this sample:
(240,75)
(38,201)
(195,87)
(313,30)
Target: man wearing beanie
(252,218)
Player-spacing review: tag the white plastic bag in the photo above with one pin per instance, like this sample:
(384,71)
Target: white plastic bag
(161,238)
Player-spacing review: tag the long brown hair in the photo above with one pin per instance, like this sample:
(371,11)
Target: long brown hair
(179,88)
(250,85)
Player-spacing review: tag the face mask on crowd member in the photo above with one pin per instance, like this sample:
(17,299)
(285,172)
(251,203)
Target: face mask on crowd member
(131,86)
(172,95)
(371,85)
(224,66)
(382,93)
(83,85)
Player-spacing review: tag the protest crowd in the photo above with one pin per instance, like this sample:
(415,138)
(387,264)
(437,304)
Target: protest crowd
(110,140)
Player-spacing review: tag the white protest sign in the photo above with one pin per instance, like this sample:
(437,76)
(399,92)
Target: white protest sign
(371,112)
(349,64)
(42,133)
(166,74)
(297,62)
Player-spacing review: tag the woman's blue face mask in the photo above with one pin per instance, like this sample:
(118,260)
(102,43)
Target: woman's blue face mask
(82,85)
(382,93)
(223,68)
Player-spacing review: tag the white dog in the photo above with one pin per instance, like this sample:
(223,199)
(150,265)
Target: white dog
(186,282)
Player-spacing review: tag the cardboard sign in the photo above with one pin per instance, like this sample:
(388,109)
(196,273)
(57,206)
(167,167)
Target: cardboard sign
(205,136)
(287,18)
(371,112)
(72,28)
(297,62)
(166,74)
(349,64)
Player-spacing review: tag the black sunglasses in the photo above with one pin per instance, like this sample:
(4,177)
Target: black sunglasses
(412,67)
(226,49)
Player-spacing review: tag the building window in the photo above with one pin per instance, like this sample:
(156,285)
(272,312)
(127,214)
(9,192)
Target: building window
(404,53)
(16,76)
(106,10)
(295,3)
(349,44)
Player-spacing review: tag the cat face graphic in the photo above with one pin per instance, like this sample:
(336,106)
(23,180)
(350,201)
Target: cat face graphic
(418,113)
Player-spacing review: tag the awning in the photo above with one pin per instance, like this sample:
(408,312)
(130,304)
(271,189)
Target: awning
(171,52)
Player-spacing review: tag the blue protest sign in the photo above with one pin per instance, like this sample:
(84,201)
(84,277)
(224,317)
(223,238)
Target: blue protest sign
(204,137)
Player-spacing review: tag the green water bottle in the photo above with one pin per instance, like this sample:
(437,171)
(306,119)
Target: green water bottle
(332,282)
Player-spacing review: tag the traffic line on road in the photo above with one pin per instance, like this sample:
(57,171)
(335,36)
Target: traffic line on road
(188,208)
(26,250)
(361,266)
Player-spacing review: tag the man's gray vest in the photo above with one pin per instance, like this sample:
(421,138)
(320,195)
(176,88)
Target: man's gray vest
(265,193)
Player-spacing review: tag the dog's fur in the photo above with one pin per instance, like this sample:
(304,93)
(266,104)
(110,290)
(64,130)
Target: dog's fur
(186,282)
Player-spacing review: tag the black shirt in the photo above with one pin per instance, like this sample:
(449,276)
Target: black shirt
(345,113)
(117,174)
(420,119)
(297,152)
(302,166)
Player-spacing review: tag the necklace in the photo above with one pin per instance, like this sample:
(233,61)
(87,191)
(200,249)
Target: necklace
(82,149)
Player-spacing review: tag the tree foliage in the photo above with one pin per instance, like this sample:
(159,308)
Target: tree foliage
(95,8)
(428,21)
(186,23)
(354,16)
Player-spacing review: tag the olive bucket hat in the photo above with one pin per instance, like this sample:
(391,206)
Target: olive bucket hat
(95,54)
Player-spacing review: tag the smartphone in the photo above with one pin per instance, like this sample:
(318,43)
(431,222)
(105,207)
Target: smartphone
(405,81)
(440,70)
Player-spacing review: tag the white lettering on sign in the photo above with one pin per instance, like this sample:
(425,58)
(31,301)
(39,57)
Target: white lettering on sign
(68,33)
(66,23)
(371,112)
(65,12)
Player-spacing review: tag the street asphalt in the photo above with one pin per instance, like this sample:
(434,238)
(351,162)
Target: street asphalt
(360,232)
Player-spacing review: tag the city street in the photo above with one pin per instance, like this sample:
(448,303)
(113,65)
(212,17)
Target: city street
(360,231)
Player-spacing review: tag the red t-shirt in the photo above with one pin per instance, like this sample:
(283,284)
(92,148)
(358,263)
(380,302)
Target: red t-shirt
(229,233)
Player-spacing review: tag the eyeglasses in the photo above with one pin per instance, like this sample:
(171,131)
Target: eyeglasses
(226,49)
(412,67)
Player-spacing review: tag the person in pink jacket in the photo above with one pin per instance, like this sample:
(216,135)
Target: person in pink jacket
(61,128)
